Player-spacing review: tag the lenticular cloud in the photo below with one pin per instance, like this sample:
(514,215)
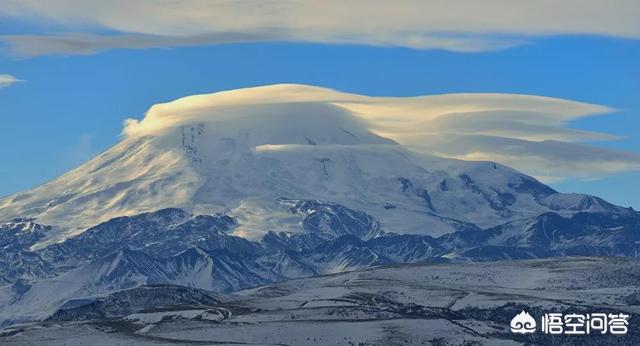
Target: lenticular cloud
(527,132)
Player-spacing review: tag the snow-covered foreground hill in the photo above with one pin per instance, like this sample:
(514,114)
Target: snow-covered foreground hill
(414,304)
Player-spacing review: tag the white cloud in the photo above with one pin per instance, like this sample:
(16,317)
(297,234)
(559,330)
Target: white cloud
(7,80)
(85,44)
(547,160)
(527,132)
(457,25)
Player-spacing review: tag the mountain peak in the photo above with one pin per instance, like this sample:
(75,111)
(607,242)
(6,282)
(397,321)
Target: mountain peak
(284,114)
(237,152)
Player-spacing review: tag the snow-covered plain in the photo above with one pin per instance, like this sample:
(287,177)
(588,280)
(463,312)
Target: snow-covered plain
(397,305)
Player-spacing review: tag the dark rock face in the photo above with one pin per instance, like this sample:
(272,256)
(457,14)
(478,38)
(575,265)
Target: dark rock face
(533,187)
(333,220)
(19,263)
(550,234)
(133,300)
(297,242)
(497,200)
(159,234)
(16,259)
(171,246)
(21,233)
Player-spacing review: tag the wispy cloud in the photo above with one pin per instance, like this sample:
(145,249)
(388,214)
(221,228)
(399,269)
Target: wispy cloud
(456,25)
(548,160)
(85,44)
(527,132)
(7,80)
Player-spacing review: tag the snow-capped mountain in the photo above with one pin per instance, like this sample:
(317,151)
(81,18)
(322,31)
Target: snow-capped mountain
(239,152)
(238,189)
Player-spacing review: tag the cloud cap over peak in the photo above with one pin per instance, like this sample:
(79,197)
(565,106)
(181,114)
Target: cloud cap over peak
(527,132)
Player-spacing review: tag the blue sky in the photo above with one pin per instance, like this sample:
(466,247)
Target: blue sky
(71,107)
